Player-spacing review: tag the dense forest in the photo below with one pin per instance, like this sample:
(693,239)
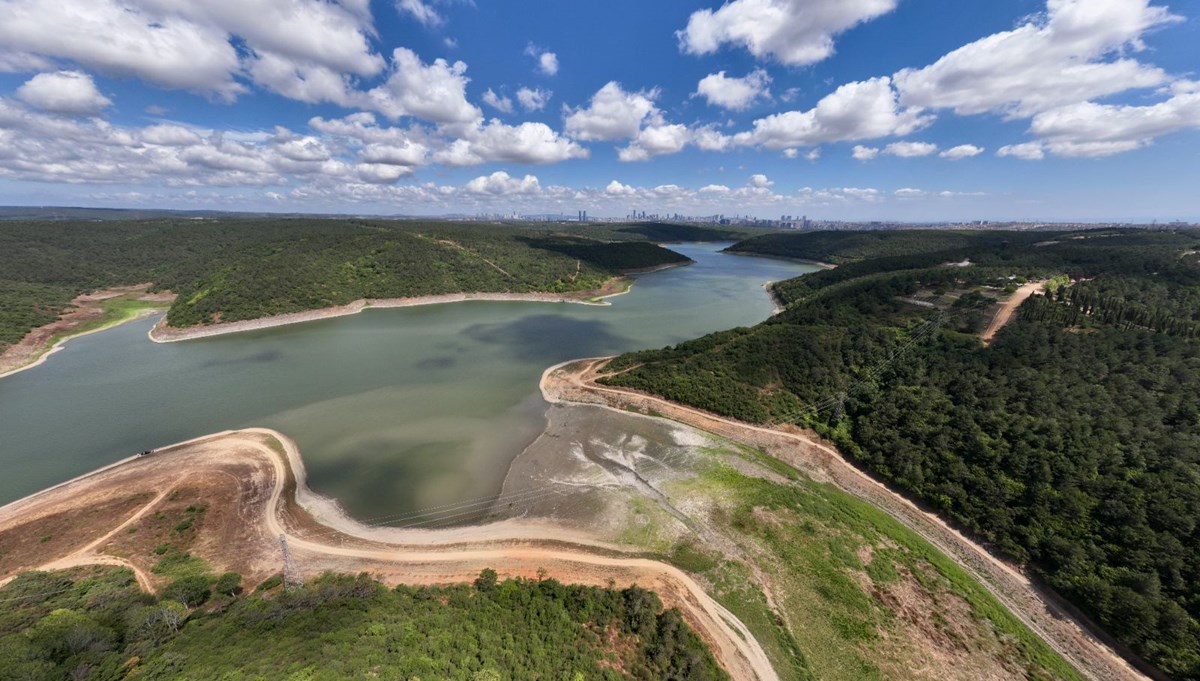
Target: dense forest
(235,269)
(1071,443)
(99,626)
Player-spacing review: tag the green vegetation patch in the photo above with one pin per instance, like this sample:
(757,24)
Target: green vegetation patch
(99,626)
(1071,443)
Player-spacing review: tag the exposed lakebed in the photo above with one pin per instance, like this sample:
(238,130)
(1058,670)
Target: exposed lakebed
(395,410)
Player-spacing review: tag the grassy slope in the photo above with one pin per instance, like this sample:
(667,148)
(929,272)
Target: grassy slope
(843,617)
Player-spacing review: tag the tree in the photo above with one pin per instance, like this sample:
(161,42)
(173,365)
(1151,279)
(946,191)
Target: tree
(486,581)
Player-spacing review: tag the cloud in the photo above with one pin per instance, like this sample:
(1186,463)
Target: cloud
(1090,129)
(167,50)
(435,92)
(200,46)
(501,183)
(64,92)
(656,140)
(421,11)
(855,111)
(533,99)
(615,188)
(734,93)
(861,153)
(910,149)
(613,114)
(760,182)
(961,151)
(1029,151)
(547,61)
(708,138)
(502,104)
(1074,52)
(528,143)
(793,32)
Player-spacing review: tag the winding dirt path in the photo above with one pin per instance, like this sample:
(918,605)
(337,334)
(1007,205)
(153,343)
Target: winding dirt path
(1044,613)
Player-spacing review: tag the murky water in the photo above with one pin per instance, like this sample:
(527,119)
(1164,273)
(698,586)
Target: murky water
(394,410)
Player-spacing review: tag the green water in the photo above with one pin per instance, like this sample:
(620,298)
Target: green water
(394,410)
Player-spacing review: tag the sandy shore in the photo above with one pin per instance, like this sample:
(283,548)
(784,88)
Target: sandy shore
(161,333)
(252,483)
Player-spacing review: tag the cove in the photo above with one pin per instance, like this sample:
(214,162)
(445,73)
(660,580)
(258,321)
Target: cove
(395,410)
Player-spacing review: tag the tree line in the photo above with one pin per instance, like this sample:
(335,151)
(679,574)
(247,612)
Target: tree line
(1070,444)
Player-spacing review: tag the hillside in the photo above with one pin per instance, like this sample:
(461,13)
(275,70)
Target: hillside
(1071,443)
(96,624)
(233,269)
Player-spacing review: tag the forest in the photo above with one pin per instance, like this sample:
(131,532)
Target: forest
(98,626)
(1070,444)
(234,269)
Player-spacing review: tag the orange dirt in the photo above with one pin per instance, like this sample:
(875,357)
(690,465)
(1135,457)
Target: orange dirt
(252,485)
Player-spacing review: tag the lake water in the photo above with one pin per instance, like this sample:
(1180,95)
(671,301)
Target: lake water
(394,410)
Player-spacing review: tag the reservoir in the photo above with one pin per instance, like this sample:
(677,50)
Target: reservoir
(394,410)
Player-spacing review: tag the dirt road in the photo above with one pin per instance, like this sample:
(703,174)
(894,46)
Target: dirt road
(1009,307)
(254,481)
(574,382)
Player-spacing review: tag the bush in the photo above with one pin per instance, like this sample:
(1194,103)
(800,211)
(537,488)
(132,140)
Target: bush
(229,584)
(192,591)
(270,583)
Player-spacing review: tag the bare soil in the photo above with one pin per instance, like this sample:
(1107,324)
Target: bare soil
(252,486)
(84,309)
(1009,307)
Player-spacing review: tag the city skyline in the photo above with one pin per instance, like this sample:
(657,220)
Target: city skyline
(906,110)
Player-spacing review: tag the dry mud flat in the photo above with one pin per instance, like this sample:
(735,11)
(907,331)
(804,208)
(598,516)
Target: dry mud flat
(243,492)
(575,382)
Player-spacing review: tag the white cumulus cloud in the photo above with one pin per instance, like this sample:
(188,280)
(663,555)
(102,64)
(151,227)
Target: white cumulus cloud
(613,114)
(961,151)
(734,93)
(794,32)
(64,92)
(863,153)
(1075,51)
(855,111)
(533,99)
(910,149)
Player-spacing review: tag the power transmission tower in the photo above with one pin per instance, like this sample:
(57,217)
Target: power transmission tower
(290,578)
(841,407)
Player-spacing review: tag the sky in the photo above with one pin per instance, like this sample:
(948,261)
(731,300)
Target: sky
(907,110)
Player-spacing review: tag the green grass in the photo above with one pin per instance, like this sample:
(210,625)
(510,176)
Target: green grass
(117,311)
(818,547)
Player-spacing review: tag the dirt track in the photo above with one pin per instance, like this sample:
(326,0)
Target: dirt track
(574,382)
(253,481)
(1009,308)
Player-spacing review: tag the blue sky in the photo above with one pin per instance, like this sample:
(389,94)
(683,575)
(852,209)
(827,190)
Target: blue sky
(839,109)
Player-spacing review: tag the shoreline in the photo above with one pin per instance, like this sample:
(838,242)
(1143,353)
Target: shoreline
(160,333)
(283,506)
(806,261)
(58,344)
